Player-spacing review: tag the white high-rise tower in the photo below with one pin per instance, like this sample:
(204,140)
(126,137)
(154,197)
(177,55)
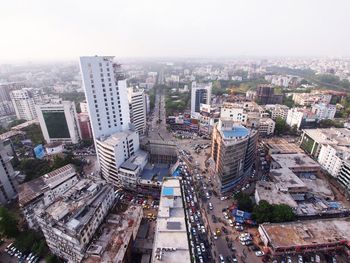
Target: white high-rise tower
(106,95)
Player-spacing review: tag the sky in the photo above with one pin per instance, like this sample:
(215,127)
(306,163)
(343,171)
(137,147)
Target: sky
(66,29)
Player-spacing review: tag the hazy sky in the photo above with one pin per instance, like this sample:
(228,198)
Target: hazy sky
(67,29)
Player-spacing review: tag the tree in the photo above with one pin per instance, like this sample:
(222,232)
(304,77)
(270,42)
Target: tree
(8,223)
(244,202)
(281,126)
(282,213)
(330,123)
(262,212)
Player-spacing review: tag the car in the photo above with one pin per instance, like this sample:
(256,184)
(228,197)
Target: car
(200,259)
(215,236)
(221,259)
(230,222)
(207,195)
(29,256)
(202,247)
(234,258)
(199,252)
(300,259)
(228,259)
(239,228)
(259,253)
(289,259)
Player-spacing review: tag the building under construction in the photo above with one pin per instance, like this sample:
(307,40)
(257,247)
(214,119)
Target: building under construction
(160,151)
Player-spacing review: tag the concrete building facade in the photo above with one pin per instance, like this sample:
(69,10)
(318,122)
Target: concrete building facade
(24,104)
(8,185)
(233,151)
(137,107)
(59,122)
(200,93)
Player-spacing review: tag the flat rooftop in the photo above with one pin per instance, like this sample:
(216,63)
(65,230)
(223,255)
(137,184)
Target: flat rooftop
(295,161)
(116,138)
(236,132)
(310,232)
(281,146)
(269,192)
(156,172)
(170,240)
(286,180)
(332,136)
(135,161)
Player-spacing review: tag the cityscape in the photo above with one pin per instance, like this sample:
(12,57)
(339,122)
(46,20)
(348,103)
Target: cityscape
(167,157)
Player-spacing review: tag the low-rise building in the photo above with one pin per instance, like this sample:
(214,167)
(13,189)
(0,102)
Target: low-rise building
(44,191)
(69,224)
(302,118)
(277,110)
(171,243)
(115,242)
(310,236)
(324,111)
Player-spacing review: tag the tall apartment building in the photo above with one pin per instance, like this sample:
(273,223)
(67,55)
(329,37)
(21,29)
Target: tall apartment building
(331,148)
(69,224)
(6,105)
(137,107)
(324,111)
(200,93)
(24,104)
(59,122)
(43,191)
(8,185)
(233,150)
(106,95)
(113,151)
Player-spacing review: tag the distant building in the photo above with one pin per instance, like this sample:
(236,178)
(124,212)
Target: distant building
(59,122)
(84,107)
(265,94)
(307,99)
(85,126)
(6,105)
(70,222)
(24,104)
(301,118)
(171,243)
(8,189)
(137,108)
(233,150)
(266,127)
(324,111)
(44,190)
(200,93)
(277,110)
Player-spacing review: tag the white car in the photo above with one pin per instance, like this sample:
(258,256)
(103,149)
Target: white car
(259,253)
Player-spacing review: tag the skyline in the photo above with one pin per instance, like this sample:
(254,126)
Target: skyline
(66,30)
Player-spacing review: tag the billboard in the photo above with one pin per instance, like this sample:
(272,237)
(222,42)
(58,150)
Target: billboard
(39,151)
(56,124)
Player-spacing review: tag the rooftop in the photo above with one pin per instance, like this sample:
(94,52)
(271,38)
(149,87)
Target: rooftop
(116,138)
(135,161)
(280,145)
(170,241)
(295,161)
(31,190)
(311,232)
(235,133)
(286,180)
(332,136)
(155,172)
(115,235)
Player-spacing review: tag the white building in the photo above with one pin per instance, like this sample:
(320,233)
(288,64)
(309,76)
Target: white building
(113,151)
(200,93)
(106,94)
(59,122)
(8,190)
(171,231)
(84,107)
(277,110)
(137,107)
(300,117)
(266,126)
(24,104)
(324,111)
(234,111)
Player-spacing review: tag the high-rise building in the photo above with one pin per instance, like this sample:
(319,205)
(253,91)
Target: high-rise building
(200,93)
(137,106)
(8,185)
(59,122)
(265,94)
(233,150)
(24,104)
(113,151)
(106,95)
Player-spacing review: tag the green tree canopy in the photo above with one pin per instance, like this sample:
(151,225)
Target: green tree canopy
(262,212)
(265,212)
(281,126)
(8,223)
(244,202)
(282,213)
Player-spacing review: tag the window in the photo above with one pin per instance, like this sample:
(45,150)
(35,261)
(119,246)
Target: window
(95,101)
(103,85)
(101,75)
